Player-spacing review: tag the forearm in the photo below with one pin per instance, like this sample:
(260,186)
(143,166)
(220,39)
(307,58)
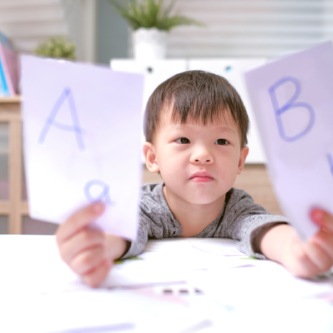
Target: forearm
(276,241)
(117,246)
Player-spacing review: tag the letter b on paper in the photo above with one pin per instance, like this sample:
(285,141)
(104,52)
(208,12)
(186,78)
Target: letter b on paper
(292,100)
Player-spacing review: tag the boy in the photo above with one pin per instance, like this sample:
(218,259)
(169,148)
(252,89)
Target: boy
(196,127)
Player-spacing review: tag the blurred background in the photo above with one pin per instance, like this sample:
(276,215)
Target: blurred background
(232,28)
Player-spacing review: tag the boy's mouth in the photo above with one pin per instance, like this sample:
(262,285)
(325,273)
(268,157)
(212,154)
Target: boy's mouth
(201,176)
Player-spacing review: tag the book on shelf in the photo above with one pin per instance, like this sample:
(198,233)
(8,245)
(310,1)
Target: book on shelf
(3,82)
(9,68)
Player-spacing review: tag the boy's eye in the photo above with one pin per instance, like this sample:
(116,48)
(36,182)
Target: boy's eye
(222,142)
(183,141)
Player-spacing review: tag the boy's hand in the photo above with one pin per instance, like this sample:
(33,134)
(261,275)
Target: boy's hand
(303,259)
(88,252)
(316,255)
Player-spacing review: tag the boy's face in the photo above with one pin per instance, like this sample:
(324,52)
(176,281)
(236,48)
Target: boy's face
(198,163)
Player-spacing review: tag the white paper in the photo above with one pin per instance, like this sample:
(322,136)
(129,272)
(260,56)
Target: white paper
(82,126)
(292,100)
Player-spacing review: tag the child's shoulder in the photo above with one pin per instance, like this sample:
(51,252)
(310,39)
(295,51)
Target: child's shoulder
(239,198)
(238,194)
(151,188)
(152,199)
(152,193)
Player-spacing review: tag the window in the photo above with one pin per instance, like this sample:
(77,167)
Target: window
(251,28)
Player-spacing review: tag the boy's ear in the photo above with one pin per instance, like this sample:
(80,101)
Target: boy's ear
(242,158)
(150,157)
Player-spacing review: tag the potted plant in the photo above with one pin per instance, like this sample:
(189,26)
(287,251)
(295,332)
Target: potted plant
(150,20)
(57,47)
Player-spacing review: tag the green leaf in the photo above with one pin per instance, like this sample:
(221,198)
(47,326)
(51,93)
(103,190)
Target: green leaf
(57,47)
(151,14)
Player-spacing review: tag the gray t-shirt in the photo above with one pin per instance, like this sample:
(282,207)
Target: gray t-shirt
(240,219)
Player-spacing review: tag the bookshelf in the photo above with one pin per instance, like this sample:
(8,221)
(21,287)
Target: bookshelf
(12,204)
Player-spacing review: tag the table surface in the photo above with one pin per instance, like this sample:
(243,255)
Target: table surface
(180,285)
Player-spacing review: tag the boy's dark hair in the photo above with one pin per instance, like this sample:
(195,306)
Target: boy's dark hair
(200,95)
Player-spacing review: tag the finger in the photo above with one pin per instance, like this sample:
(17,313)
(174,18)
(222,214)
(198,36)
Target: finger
(80,242)
(320,259)
(88,260)
(302,265)
(312,259)
(323,219)
(324,242)
(95,277)
(78,220)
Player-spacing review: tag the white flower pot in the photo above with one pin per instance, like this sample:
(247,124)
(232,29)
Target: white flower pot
(149,44)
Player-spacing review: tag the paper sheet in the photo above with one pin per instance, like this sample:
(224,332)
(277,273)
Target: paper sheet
(48,297)
(82,126)
(292,100)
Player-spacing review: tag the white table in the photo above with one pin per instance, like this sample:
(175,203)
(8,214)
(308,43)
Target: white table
(186,285)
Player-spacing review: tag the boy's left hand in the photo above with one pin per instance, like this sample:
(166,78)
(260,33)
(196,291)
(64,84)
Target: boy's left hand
(315,256)
(307,259)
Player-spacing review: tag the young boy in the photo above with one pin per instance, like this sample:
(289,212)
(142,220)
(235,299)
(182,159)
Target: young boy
(196,131)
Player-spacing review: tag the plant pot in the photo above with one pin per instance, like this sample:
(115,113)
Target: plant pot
(149,44)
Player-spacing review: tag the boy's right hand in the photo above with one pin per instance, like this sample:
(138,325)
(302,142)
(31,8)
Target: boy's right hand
(88,251)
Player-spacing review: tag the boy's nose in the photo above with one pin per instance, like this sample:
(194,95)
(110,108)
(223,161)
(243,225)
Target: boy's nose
(202,156)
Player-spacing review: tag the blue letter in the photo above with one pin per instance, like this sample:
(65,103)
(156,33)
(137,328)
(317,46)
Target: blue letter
(288,106)
(330,162)
(97,190)
(75,127)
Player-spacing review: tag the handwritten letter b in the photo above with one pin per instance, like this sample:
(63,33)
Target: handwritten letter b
(300,125)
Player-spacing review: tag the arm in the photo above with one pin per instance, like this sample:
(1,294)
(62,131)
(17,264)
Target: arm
(304,259)
(87,251)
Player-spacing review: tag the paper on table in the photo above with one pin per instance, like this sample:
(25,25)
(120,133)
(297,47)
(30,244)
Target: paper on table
(82,126)
(172,261)
(292,100)
(52,299)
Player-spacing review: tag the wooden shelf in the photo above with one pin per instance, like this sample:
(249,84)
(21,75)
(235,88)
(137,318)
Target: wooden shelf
(10,114)
(10,99)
